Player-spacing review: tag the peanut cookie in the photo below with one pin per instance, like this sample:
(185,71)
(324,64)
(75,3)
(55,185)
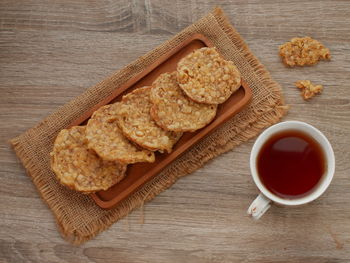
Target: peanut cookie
(135,121)
(308,90)
(303,51)
(80,168)
(107,140)
(173,110)
(206,77)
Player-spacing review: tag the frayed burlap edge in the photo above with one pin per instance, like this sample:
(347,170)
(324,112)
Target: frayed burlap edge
(231,135)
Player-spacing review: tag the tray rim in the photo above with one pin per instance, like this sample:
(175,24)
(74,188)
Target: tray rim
(109,204)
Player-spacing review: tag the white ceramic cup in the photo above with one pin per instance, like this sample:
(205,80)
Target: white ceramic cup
(264,199)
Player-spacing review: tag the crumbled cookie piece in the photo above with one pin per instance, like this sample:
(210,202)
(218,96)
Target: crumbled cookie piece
(106,139)
(135,122)
(173,110)
(80,168)
(303,51)
(206,77)
(308,90)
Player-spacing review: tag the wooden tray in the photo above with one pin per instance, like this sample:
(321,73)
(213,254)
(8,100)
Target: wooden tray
(140,173)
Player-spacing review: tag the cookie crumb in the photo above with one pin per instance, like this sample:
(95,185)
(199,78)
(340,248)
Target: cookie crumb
(303,51)
(308,90)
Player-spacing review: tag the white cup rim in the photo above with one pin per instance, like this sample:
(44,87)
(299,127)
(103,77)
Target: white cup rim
(321,139)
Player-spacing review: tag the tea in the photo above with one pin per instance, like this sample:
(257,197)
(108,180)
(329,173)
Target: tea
(290,164)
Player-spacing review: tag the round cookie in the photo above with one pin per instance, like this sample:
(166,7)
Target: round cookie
(173,110)
(135,121)
(107,140)
(78,167)
(206,77)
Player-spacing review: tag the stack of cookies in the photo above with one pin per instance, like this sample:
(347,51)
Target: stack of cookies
(94,157)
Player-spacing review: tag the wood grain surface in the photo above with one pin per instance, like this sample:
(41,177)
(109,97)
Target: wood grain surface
(51,51)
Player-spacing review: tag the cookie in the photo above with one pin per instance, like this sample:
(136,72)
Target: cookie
(206,77)
(80,168)
(308,89)
(173,110)
(107,140)
(135,122)
(303,51)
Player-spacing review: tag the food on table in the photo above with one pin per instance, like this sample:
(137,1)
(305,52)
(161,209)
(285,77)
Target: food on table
(135,121)
(303,51)
(80,168)
(173,110)
(308,90)
(95,157)
(206,77)
(105,137)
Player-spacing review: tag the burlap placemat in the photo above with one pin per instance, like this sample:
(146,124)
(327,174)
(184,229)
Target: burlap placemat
(78,217)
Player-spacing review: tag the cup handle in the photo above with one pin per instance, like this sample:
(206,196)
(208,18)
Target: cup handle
(259,206)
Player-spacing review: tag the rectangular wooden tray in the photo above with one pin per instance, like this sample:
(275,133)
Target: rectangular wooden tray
(140,173)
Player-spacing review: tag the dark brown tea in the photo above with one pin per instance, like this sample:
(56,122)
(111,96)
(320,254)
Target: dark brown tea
(290,164)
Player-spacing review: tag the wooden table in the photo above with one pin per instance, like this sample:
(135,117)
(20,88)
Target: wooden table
(51,51)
